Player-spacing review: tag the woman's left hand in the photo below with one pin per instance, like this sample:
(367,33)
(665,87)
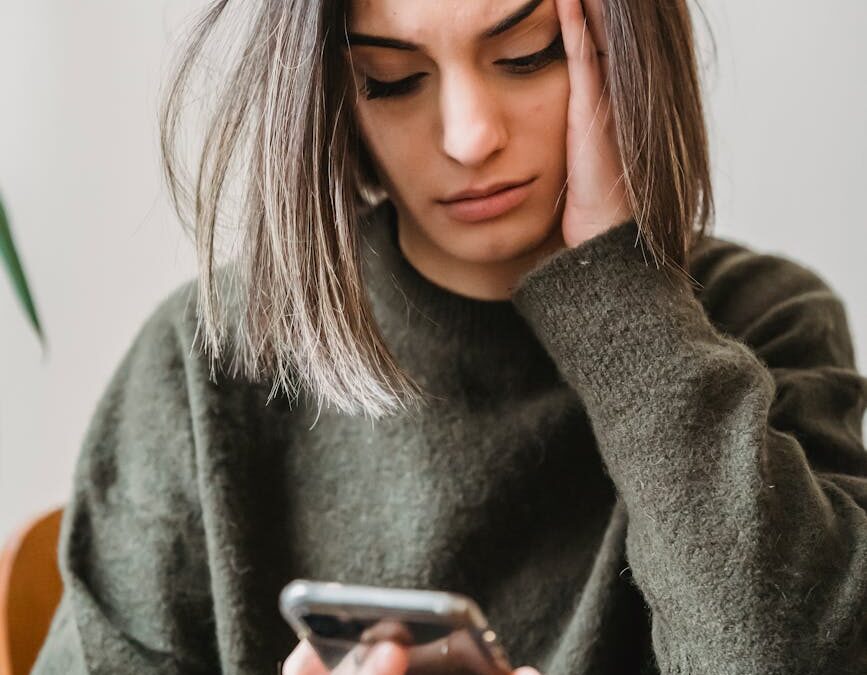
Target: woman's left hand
(595,195)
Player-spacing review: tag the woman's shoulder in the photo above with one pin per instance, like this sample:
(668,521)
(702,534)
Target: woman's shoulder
(759,296)
(176,309)
(169,343)
(178,312)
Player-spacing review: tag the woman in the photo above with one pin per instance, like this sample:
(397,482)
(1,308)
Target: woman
(636,445)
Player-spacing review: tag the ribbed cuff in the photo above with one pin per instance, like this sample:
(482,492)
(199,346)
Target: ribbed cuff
(610,318)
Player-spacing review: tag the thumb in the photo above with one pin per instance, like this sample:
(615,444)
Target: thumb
(385,658)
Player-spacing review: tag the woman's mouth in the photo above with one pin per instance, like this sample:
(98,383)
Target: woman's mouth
(485,208)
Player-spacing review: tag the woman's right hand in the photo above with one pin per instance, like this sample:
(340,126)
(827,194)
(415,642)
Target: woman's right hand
(383,658)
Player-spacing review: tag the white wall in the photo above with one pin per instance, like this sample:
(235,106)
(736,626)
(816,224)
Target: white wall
(80,179)
(80,176)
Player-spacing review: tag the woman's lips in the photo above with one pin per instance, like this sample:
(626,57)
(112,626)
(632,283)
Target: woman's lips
(484,208)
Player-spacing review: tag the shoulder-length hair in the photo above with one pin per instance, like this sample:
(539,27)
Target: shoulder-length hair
(283,122)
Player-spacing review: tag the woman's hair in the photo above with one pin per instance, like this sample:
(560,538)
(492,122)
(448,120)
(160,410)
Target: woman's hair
(283,120)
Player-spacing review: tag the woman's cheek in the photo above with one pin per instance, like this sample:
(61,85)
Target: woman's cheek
(402,150)
(550,117)
(373,134)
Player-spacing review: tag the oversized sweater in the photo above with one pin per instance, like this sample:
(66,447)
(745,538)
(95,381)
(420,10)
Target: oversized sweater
(629,475)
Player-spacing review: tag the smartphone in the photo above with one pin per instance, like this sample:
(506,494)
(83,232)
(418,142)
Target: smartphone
(443,632)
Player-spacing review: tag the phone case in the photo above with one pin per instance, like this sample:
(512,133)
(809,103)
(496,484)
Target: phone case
(444,632)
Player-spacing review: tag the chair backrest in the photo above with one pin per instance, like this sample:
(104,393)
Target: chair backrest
(30,589)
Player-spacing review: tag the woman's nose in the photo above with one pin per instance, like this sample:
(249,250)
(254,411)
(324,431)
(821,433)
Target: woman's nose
(473,125)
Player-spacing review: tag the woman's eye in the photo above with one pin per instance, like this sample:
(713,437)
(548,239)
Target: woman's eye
(373,88)
(530,64)
(378,89)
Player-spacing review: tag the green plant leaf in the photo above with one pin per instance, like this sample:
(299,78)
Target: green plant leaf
(13,266)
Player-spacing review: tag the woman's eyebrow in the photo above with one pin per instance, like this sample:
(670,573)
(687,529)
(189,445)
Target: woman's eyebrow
(501,26)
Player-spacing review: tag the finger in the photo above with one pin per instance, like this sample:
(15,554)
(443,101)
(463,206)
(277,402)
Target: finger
(385,658)
(585,80)
(596,23)
(578,40)
(594,169)
(387,629)
(304,661)
(526,670)
(589,110)
(351,662)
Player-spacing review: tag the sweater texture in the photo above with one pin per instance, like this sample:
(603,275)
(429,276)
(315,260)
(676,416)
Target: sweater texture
(629,475)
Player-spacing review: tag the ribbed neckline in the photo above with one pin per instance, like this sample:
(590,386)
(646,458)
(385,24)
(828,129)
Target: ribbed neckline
(393,280)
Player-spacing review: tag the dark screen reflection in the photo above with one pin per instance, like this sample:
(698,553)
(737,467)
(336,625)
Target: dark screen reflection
(433,648)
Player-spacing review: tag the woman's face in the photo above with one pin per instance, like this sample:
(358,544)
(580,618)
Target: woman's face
(470,111)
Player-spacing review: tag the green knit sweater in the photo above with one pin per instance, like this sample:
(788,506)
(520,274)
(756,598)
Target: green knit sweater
(627,474)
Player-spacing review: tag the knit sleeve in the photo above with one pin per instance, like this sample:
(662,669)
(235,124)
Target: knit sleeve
(132,556)
(739,455)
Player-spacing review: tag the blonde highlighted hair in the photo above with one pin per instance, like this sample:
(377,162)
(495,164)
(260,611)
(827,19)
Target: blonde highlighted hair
(283,121)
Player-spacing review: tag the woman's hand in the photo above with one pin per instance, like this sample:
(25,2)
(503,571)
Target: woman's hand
(384,658)
(595,196)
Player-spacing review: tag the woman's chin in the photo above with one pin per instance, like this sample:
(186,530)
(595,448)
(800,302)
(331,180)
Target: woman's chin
(499,243)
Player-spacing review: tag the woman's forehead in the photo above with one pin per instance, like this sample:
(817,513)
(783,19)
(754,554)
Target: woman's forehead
(427,25)
(417,18)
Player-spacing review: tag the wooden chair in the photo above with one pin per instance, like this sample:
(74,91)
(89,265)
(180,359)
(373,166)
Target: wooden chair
(30,589)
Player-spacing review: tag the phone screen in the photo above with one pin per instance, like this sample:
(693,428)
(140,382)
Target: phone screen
(433,648)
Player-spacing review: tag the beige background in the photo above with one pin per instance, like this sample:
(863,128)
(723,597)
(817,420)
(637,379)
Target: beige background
(80,176)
